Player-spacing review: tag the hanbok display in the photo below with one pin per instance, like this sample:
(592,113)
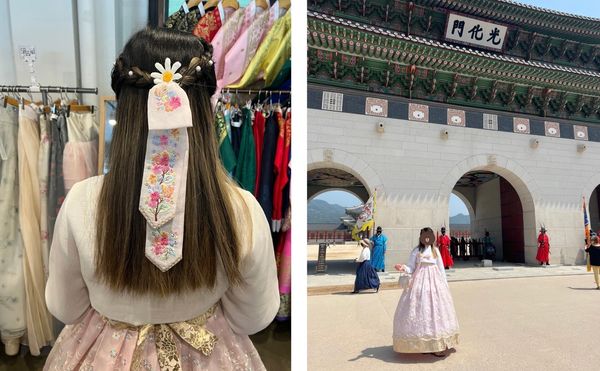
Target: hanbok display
(12,289)
(425,320)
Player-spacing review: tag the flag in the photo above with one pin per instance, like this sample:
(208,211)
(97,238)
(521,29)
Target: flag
(366,219)
(586,223)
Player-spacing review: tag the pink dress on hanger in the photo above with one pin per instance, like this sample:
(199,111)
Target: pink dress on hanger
(239,21)
(80,156)
(241,53)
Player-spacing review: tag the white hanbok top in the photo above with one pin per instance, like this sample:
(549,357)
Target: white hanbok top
(426,257)
(365,254)
(73,287)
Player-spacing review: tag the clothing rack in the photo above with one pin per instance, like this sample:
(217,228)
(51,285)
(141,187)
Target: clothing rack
(44,90)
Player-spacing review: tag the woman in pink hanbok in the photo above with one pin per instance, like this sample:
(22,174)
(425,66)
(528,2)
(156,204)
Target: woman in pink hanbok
(425,320)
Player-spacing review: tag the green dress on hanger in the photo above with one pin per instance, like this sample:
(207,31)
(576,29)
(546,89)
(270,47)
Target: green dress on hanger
(245,171)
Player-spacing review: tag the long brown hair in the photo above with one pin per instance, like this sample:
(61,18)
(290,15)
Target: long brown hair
(422,247)
(211,236)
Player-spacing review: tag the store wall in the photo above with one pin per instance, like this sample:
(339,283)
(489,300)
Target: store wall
(76,41)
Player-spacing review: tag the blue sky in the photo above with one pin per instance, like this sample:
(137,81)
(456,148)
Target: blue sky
(589,8)
(341,198)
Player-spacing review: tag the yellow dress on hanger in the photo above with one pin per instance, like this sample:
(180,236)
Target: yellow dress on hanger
(275,64)
(268,50)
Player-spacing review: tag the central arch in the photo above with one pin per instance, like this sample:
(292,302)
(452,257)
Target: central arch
(517,178)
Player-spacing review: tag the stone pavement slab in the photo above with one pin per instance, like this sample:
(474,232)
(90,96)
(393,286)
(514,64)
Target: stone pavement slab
(541,323)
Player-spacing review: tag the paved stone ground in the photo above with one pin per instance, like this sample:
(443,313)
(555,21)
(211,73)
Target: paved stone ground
(543,323)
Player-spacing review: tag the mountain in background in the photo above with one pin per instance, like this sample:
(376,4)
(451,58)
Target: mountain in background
(322,212)
(460,219)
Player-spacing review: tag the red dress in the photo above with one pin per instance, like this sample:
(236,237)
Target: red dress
(443,243)
(209,25)
(543,254)
(282,156)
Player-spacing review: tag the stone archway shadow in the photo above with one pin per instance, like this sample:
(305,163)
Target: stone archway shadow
(335,158)
(517,176)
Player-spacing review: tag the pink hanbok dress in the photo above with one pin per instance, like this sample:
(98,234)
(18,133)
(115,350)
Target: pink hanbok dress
(205,329)
(425,320)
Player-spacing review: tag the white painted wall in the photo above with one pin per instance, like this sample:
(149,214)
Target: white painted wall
(51,26)
(415,171)
(489,213)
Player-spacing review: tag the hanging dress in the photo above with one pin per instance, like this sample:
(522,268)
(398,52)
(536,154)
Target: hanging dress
(43,172)
(267,173)
(281,168)
(258,131)
(56,182)
(225,149)
(211,22)
(242,51)
(245,170)
(80,155)
(39,322)
(12,284)
(185,21)
(267,52)
(284,260)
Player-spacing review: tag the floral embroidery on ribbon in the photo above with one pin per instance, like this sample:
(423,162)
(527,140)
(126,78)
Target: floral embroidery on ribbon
(163,244)
(160,180)
(166,99)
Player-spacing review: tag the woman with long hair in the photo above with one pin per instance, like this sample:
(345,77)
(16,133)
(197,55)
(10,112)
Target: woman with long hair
(425,320)
(163,263)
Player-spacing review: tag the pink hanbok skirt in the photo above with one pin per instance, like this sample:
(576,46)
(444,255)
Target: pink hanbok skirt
(96,344)
(425,320)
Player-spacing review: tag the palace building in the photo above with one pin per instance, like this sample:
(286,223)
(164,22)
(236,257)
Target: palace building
(493,101)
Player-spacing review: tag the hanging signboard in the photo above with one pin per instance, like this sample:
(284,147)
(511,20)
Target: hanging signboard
(475,32)
(321,265)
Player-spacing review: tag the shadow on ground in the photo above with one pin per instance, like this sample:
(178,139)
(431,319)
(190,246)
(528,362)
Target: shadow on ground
(387,354)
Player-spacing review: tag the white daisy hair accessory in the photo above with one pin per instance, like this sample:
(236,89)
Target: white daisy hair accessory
(163,189)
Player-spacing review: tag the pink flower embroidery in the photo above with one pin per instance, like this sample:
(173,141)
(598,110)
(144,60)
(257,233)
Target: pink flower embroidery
(174,103)
(154,199)
(164,140)
(158,249)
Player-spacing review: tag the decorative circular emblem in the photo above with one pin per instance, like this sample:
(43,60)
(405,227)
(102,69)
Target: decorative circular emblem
(418,114)
(522,127)
(552,131)
(580,134)
(456,119)
(376,108)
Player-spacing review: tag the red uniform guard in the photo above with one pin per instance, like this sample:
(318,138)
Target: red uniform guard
(443,244)
(543,254)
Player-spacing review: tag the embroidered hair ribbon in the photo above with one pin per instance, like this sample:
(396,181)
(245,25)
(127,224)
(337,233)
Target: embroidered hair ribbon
(162,197)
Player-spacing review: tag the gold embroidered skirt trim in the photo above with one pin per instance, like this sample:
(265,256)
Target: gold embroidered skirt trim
(418,345)
(191,331)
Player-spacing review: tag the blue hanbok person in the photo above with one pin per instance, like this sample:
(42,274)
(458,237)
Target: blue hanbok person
(379,247)
(366,277)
